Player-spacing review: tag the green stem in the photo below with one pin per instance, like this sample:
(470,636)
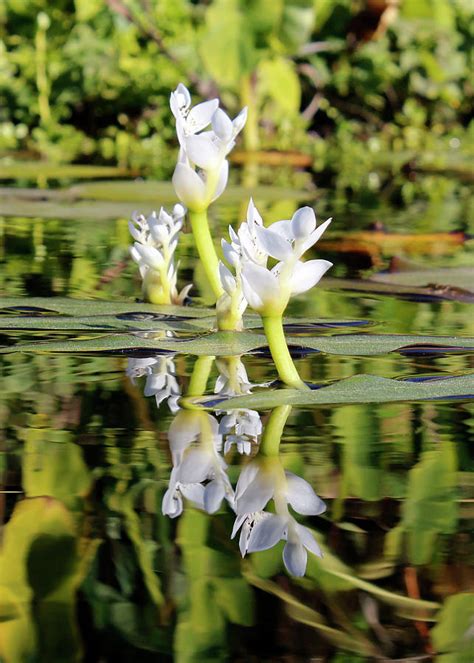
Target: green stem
(200,376)
(273,327)
(207,252)
(250,131)
(270,444)
(42,81)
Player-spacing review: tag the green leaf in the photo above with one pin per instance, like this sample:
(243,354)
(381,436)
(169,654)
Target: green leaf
(226,45)
(54,469)
(430,507)
(451,635)
(279,81)
(356,389)
(234,597)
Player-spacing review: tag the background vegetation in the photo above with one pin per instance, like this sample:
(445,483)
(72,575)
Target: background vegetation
(330,84)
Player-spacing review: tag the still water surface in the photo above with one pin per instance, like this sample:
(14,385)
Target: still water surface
(93,570)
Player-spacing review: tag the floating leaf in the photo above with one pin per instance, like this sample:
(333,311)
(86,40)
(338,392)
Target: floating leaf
(356,389)
(202,342)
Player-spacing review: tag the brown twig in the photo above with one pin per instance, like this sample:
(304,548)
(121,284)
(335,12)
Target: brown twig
(413,590)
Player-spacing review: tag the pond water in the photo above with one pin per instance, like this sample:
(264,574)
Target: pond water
(92,569)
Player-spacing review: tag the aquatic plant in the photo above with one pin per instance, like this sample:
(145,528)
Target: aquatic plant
(268,290)
(201,173)
(156,239)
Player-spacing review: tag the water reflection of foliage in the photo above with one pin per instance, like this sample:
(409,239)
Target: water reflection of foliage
(106,503)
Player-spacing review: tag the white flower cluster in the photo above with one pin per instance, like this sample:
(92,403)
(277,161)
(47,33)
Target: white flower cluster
(156,239)
(202,170)
(161,379)
(199,473)
(268,290)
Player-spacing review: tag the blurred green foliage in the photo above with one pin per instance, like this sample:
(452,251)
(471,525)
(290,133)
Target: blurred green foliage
(341,81)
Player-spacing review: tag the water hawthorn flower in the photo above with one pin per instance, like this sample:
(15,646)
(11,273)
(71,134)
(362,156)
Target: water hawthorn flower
(202,170)
(267,289)
(161,379)
(156,238)
(264,479)
(201,173)
(199,473)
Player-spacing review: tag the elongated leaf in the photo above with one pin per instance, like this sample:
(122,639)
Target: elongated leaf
(356,389)
(233,343)
(302,613)
(27,307)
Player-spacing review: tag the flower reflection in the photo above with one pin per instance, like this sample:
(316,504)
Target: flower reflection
(264,479)
(238,427)
(199,473)
(161,379)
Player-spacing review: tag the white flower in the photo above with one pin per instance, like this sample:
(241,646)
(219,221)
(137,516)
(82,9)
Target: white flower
(202,170)
(199,473)
(160,379)
(156,239)
(269,290)
(264,479)
(232,304)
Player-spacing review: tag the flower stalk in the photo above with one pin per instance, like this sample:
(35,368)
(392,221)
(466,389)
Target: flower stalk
(273,431)
(206,250)
(273,326)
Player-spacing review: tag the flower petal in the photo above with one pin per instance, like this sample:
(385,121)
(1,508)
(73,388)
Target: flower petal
(150,256)
(256,495)
(200,116)
(307,243)
(222,125)
(194,492)
(222,181)
(302,497)
(239,121)
(213,495)
(253,215)
(172,504)
(303,222)
(282,228)
(180,100)
(189,187)
(307,274)
(238,524)
(227,280)
(246,477)
(195,467)
(266,533)
(273,243)
(295,558)
(203,151)
(259,285)
(307,539)
(230,254)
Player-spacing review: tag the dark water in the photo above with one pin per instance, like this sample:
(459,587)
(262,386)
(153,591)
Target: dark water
(92,570)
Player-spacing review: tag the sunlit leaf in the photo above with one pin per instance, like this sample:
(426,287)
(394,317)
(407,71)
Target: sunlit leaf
(452,635)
